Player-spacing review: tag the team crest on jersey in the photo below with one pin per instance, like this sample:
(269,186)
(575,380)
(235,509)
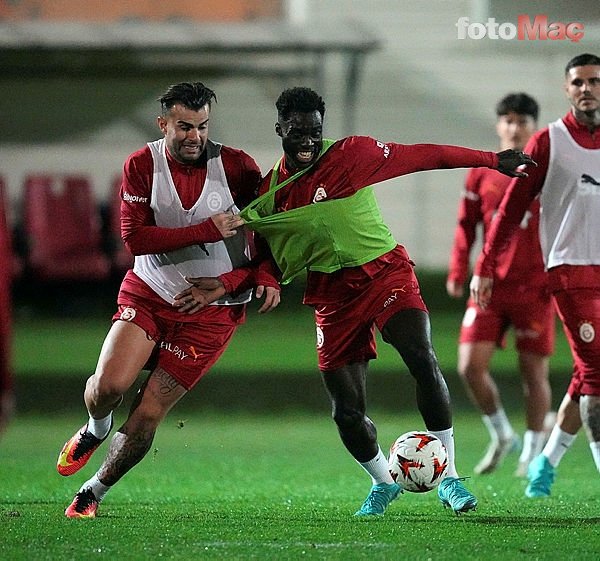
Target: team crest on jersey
(214,201)
(320,194)
(587,333)
(127,314)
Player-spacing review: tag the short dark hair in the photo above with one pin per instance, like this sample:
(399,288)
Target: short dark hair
(193,95)
(582,60)
(520,103)
(302,100)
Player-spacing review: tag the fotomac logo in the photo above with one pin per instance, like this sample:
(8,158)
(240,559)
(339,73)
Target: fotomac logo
(538,29)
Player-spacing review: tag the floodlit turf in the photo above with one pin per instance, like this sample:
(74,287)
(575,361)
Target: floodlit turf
(242,486)
(283,341)
(221,484)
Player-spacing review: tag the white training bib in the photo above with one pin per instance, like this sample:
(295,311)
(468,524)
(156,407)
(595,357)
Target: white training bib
(165,272)
(570,202)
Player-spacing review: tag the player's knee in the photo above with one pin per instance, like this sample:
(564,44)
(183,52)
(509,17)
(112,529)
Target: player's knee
(347,418)
(464,370)
(103,388)
(420,356)
(470,372)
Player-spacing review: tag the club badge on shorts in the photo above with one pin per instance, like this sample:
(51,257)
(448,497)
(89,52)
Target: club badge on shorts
(320,337)
(587,333)
(127,314)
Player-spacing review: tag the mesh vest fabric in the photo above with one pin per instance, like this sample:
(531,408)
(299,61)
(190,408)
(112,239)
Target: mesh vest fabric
(165,272)
(324,236)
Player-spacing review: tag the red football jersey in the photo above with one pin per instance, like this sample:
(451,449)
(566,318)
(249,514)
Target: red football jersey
(138,229)
(522,191)
(522,260)
(351,164)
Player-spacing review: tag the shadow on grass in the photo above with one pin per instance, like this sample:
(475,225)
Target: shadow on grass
(258,392)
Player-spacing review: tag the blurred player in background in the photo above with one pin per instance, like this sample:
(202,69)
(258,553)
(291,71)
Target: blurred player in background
(7,398)
(317,212)
(521,300)
(179,198)
(567,182)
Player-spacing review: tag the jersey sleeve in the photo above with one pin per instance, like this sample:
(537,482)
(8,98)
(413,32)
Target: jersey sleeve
(465,233)
(244,179)
(371,161)
(241,279)
(243,175)
(517,199)
(139,231)
(262,271)
(394,160)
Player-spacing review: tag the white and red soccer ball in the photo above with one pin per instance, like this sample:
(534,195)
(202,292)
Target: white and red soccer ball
(418,461)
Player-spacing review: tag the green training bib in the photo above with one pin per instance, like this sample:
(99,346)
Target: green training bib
(325,236)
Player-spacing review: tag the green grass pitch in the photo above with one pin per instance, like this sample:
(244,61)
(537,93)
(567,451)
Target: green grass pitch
(267,479)
(279,342)
(240,486)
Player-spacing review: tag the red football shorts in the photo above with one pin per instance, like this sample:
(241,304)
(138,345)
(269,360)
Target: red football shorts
(579,310)
(528,310)
(346,329)
(185,349)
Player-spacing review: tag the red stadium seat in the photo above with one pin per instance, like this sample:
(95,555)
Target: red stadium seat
(122,260)
(61,224)
(10,263)
(6,275)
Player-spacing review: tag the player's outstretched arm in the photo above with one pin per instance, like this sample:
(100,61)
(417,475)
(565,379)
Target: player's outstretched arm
(510,160)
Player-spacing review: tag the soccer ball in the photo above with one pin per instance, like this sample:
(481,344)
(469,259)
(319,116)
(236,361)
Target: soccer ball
(418,461)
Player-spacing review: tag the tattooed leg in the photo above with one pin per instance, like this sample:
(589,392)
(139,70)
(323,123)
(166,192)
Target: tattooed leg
(133,440)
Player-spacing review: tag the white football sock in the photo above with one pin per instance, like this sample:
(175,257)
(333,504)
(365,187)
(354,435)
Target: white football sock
(557,445)
(595,448)
(533,442)
(100,427)
(447,438)
(498,425)
(97,487)
(377,468)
